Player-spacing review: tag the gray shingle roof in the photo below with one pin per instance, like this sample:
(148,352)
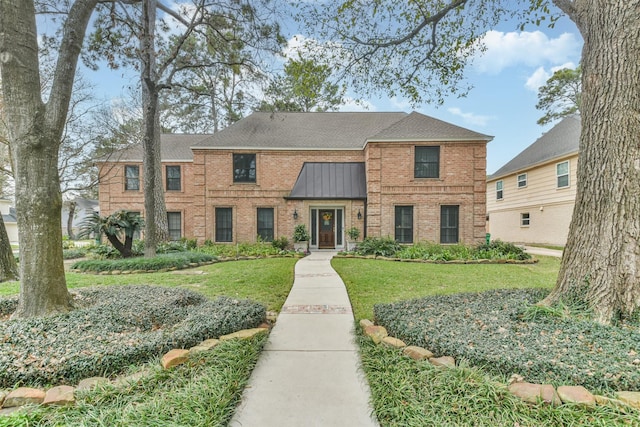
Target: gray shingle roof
(330,181)
(332,130)
(561,140)
(173,147)
(417,126)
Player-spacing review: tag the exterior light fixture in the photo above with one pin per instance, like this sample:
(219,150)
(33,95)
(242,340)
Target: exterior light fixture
(295,214)
(359,214)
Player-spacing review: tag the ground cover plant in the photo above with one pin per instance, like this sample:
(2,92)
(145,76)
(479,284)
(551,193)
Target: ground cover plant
(109,331)
(506,333)
(388,247)
(259,249)
(176,260)
(371,281)
(201,393)
(406,392)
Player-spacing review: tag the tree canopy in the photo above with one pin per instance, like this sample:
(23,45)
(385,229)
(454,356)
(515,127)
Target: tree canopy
(560,95)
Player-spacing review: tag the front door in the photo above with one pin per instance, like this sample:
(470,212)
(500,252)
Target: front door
(327,229)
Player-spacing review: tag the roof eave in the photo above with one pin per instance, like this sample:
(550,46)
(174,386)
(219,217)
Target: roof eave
(532,166)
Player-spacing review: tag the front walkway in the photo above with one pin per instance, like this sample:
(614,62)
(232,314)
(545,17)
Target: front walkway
(309,372)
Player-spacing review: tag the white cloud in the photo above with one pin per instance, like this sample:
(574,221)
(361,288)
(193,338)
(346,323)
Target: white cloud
(470,118)
(540,76)
(533,49)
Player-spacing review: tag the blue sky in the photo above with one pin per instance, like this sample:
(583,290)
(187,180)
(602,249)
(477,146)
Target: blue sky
(505,79)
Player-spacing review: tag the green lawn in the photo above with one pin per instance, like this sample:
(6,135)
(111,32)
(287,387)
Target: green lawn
(373,281)
(266,280)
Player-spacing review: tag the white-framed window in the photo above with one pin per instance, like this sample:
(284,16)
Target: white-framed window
(562,174)
(525,219)
(499,193)
(522,180)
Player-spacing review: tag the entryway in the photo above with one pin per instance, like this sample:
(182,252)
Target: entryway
(327,229)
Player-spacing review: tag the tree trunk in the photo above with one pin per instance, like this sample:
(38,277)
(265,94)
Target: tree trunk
(601,263)
(8,266)
(35,131)
(156,222)
(72,213)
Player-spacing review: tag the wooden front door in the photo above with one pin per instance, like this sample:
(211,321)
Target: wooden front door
(327,229)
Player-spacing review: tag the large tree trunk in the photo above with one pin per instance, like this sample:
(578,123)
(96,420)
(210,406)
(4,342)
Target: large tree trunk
(601,263)
(8,265)
(35,131)
(156,222)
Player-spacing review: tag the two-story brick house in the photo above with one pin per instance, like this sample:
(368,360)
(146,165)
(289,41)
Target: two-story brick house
(408,176)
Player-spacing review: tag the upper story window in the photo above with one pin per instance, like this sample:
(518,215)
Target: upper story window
(173,178)
(132,177)
(562,174)
(244,168)
(522,180)
(499,192)
(427,162)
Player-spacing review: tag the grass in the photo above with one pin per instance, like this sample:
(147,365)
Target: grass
(371,282)
(204,392)
(264,280)
(545,246)
(409,393)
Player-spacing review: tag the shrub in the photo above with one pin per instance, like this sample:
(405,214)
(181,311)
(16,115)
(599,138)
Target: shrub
(499,249)
(113,328)
(300,233)
(73,253)
(281,243)
(379,246)
(177,260)
(496,330)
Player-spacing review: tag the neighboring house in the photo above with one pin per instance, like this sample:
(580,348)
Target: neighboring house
(530,199)
(408,176)
(10,220)
(83,209)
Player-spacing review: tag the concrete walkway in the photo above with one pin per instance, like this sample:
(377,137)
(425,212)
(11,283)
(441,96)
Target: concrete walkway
(309,372)
(543,251)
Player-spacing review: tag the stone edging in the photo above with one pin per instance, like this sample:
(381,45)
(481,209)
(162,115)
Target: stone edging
(65,395)
(528,392)
(454,261)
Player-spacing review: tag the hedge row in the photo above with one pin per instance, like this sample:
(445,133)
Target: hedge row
(176,260)
(112,328)
(494,329)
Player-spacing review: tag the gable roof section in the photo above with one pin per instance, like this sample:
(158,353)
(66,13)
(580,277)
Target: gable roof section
(300,131)
(330,181)
(174,147)
(561,140)
(418,127)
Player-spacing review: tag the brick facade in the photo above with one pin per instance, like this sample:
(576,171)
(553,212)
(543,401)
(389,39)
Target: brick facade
(208,183)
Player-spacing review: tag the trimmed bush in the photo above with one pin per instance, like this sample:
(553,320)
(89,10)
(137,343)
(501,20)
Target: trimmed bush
(73,253)
(241,249)
(113,328)
(378,246)
(496,330)
(178,260)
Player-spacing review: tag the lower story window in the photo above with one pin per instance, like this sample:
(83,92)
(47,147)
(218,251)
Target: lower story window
(224,225)
(265,224)
(449,223)
(174,219)
(525,219)
(404,224)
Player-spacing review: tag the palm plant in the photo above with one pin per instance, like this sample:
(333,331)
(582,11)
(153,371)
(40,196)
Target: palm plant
(119,225)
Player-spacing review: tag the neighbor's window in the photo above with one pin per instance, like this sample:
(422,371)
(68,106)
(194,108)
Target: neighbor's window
(404,224)
(224,225)
(173,178)
(175,225)
(265,224)
(524,219)
(449,223)
(562,174)
(499,190)
(132,177)
(427,162)
(244,168)
(522,180)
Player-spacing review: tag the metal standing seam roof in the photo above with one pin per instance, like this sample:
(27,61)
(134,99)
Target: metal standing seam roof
(330,181)
(561,140)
